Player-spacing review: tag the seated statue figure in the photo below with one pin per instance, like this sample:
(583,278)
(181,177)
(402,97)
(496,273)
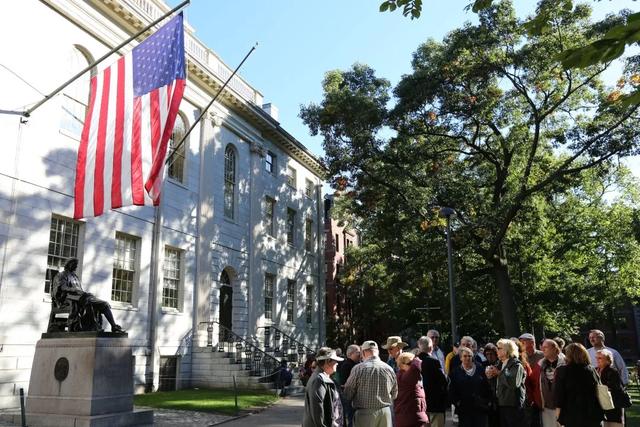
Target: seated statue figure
(86,310)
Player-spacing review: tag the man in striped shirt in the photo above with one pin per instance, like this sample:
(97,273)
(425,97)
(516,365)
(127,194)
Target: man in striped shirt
(372,387)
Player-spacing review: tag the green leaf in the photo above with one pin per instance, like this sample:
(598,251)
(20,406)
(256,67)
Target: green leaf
(633,18)
(479,5)
(538,25)
(631,99)
(384,6)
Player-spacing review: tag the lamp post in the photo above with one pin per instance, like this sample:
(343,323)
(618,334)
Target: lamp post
(447,213)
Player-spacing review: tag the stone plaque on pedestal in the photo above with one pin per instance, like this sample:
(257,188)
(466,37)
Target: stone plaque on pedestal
(83,379)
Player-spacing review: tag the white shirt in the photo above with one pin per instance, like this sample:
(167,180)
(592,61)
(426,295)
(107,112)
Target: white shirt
(618,362)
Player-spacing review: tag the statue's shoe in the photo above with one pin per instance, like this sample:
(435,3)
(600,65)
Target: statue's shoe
(118,329)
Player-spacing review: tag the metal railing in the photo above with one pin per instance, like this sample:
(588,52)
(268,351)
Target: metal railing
(283,345)
(257,362)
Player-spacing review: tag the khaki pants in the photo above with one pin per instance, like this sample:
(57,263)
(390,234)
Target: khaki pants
(372,417)
(549,418)
(436,419)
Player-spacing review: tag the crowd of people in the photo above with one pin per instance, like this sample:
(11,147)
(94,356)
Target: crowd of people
(511,383)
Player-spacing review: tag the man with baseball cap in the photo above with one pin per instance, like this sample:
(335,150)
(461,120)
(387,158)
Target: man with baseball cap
(372,387)
(529,341)
(533,402)
(394,346)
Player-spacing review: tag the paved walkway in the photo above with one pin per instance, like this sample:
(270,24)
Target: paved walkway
(287,412)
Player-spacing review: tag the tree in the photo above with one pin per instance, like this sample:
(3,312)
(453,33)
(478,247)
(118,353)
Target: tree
(625,32)
(487,121)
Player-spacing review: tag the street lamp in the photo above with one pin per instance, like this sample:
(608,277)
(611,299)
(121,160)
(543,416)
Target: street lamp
(447,213)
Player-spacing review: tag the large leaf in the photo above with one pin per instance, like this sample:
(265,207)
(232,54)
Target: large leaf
(479,5)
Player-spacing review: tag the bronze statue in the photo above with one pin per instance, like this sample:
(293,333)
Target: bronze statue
(86,310)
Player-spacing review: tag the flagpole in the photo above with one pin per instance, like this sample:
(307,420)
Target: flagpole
(170,157)
(28,112)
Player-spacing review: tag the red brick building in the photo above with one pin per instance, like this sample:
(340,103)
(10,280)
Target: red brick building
(339,237)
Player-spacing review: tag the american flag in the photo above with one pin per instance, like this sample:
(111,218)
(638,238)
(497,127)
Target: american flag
(132,108)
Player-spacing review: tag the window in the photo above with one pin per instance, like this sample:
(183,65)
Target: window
(270,162)
(291,226)
(309,303)
(309,188)
(291,177)
(168,373)
(308,235)
(124,268)
(269,281)
(172,277)
(269,209)
(63,244)
(229,181)
(337,242)
(291,292)
(75,97)
(176,165)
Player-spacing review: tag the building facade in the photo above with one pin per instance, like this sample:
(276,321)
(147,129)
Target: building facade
(237,239)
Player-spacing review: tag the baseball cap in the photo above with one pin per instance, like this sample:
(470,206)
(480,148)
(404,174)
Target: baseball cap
(527,336)
(368,345)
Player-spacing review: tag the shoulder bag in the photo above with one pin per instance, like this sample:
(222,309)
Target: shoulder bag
(603,393)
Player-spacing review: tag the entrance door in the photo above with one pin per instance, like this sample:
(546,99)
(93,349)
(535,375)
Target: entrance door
(226,307)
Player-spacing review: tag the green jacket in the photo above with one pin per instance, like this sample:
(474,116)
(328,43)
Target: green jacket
(510,388)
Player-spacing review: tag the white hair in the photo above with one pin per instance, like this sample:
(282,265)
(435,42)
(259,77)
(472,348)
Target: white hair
(607,354)
(353,348)
(425,344)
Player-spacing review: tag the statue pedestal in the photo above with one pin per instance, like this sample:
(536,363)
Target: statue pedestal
(83,379)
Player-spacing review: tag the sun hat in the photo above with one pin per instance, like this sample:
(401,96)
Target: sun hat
(394,341)
(326,353)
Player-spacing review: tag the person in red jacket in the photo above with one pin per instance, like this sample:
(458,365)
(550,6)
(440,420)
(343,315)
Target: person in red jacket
(533,402)
(410,407)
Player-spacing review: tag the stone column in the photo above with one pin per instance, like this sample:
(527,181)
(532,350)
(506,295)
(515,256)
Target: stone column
(256,195)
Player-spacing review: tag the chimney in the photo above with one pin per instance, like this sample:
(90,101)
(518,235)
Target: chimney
(271,110)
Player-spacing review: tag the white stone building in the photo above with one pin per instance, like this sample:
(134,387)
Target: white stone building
(238,237)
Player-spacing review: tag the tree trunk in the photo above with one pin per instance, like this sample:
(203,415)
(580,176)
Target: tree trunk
(507,299)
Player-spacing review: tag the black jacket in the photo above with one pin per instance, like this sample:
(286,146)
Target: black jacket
(435,384)
(575,395)
(344,370)
(611,378)
(470,394)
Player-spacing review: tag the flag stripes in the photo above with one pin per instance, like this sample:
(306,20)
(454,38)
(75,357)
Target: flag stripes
(124,141)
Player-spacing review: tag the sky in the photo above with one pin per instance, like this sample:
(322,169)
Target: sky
(300,40)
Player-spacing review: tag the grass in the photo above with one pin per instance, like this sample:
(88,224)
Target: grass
(633,413)
(220,401)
